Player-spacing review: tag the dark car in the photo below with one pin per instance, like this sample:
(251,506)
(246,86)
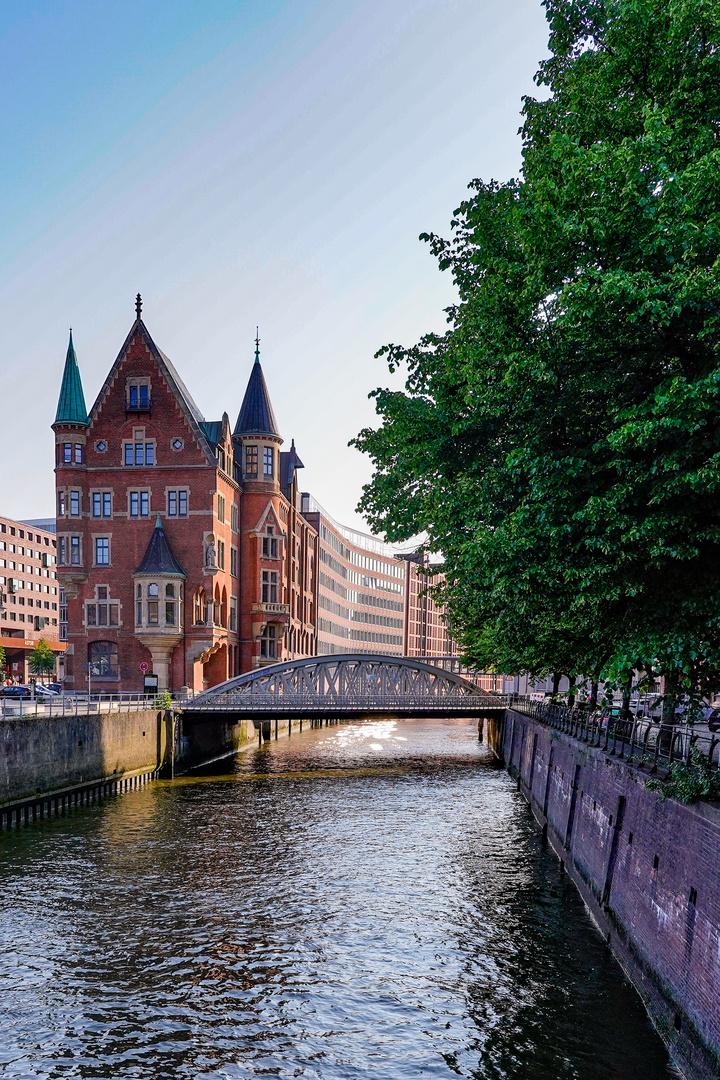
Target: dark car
(16,692)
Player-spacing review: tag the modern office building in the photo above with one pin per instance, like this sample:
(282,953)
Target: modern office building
(29,593)
(360,588)
(426,630)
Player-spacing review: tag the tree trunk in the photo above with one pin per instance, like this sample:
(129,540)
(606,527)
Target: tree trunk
(557,676)
(593,695)
(571,692)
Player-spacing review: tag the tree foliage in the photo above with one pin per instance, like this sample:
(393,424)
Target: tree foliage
(560,443)
(42,659)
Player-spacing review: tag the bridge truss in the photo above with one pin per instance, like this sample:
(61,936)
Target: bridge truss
(349,684)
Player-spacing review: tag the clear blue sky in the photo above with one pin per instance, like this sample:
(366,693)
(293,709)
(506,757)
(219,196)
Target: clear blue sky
(240,163)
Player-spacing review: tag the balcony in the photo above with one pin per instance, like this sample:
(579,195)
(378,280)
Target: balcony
(271,609)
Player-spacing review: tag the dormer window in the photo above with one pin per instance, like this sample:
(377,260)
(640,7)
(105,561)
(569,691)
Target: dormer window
(138,394)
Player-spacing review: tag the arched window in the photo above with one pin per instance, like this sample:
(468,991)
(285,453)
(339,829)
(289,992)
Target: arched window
(223,608)
(103,659)
(199,609)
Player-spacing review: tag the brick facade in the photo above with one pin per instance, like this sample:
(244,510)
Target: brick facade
(145,470)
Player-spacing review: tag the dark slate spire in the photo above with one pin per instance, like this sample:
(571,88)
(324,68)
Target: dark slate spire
(71,403)
(158,559)
(256,416)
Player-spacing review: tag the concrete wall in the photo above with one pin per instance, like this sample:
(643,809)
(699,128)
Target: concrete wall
(43,754)
(44,757)
(647,870)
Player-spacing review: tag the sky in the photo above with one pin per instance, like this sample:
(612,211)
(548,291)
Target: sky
(243,163)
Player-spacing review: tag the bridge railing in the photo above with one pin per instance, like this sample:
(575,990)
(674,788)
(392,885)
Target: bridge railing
(638,740)
(83,704)
(343,703)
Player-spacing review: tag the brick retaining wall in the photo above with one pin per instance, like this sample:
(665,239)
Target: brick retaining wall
(648,870)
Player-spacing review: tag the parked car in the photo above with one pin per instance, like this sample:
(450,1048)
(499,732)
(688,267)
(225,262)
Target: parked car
(42,691)
(56,686)
(16,692)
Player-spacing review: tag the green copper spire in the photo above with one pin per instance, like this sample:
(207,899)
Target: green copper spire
(71,404)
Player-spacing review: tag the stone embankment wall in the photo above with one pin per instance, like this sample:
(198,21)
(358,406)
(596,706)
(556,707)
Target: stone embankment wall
(50,763)
(648,870)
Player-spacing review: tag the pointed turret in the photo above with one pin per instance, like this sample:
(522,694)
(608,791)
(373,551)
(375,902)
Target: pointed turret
(256,416)
(71,403)
(158,559)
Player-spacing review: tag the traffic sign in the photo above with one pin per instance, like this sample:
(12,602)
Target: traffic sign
(144,667)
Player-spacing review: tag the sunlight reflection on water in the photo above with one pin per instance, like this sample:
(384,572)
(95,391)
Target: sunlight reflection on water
(361,900)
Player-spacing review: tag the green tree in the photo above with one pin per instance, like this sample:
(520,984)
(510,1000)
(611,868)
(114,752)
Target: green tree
(560,443)
(42,659)
(3,662)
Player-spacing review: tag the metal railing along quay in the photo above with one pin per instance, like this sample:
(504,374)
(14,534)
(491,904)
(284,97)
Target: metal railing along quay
(83,705)
(643,740)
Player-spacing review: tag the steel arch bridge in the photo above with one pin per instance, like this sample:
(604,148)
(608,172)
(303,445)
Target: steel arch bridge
(348,685)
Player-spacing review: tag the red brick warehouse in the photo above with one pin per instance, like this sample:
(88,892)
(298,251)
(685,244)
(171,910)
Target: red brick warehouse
(180,542)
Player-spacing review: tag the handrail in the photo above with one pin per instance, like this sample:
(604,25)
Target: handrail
(643,741)
(83,705)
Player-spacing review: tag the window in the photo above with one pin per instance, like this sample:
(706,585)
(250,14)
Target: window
(221,507)
(101,504)
(234,518)
(221,457)
(67,452)
(268,642)
(103,659)
(233,614)
(268,461)
(234,561)
(269,587)
(138,396)
(139,503)
(102,551)
(177,503)
(75,551)
(221,555)
(75,504)
(61,551)
(170,606)
(139,453)
(61,504)
(251,460)
(270,547)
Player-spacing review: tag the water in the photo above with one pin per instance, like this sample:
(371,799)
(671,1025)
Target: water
(358,901)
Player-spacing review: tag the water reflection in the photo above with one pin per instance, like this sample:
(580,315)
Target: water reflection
(361,900)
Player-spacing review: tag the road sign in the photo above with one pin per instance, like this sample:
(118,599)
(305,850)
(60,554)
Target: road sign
(143,667)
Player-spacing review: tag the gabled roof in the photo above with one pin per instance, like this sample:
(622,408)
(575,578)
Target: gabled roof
(192,414)
(256,416)
(289,462)
(158,558)
(71,403)
(215,430)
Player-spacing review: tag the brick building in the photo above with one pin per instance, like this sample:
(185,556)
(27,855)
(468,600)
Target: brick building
(426,631)
(29,593)
(360,589)
(179,543)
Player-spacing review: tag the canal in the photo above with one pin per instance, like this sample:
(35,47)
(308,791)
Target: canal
(364,900)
